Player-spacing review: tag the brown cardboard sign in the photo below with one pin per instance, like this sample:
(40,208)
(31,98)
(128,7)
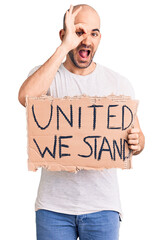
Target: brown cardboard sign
(80,132)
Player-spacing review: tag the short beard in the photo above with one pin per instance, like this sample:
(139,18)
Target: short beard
(71,55)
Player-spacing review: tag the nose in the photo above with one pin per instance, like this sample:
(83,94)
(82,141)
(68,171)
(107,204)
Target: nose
(87,40)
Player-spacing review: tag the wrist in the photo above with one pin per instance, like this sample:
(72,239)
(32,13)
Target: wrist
(65,48)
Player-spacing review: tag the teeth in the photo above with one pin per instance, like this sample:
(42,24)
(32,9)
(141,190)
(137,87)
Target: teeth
(84,50)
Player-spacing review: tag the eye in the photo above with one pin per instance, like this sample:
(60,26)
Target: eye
(79,33)
(95,34)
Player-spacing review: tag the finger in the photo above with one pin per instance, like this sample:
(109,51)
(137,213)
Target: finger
(82,37)
(66,22)
(67,16)
(81,26)
(133,136)
(134,130)
(134,147)
(71,8)
(135,151)
(77,11)
(133,142)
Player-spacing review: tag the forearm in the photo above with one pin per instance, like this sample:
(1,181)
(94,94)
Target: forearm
(38,83)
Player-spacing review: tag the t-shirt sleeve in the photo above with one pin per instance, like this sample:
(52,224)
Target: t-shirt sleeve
(129,90)
(123,86)
(126,87)
(33,70)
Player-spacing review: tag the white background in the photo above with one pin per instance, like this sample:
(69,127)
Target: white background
(131,44)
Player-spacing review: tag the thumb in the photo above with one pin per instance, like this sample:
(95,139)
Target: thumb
(84,36)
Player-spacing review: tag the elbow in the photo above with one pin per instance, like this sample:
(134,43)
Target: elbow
(21,97)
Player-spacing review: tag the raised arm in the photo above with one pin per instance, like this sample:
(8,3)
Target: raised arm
(38,83)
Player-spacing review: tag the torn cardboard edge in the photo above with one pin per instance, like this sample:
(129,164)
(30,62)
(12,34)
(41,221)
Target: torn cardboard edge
(116,98)
(33,166)
(58,167)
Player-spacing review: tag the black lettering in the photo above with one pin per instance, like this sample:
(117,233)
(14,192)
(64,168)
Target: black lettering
(94,114)
(89,145)
(95,148)
(105,149)
(124,150)
(47,149)
(63,146)
(119,150)
(79,122)
(71,117)
(123,117)
(109,116)
(34,116)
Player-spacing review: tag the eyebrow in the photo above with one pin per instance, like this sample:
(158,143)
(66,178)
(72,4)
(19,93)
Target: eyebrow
(96,29)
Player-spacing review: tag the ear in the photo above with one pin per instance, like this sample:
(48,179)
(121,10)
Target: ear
(61,34)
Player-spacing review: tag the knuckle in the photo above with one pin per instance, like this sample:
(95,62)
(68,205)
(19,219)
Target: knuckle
(129,136)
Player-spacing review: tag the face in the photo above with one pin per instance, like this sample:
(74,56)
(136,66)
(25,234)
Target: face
(82,55)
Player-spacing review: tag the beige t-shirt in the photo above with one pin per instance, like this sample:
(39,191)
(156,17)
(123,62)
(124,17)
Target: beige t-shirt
(86,191)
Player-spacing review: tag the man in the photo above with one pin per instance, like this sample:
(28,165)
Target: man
(85,204)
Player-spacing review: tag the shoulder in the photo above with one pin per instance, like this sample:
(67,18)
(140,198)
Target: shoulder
(111,72)
(124,86)
(60,69)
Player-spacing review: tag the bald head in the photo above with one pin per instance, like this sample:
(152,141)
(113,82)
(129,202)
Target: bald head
(85,11)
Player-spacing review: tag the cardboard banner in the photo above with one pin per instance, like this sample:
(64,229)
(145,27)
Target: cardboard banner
(73,133)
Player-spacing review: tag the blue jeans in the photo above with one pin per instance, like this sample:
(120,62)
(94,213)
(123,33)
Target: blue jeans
(102,225)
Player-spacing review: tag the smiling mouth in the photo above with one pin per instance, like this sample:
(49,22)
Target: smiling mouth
(84,53)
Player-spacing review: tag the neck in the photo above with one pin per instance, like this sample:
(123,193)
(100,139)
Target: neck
(79,71)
